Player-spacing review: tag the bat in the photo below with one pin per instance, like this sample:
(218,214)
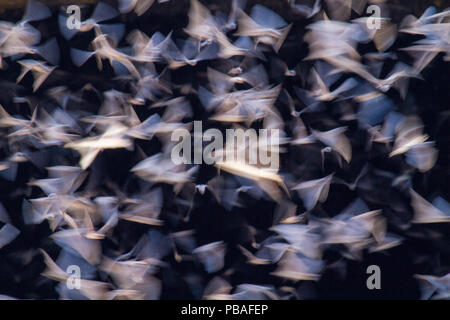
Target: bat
(217,289)
(434,287)
(104,50)
(267,179)
(313,191)
(35,11)
(425,212)
(295,266)
(264,25)
(211,255)
(138,6)
(73,240)
(249,291)
(145,210)
(202,25)
(305,10)
(7,234)
(148,49)
(301,237)
(40,72)
(336,140)
(160,168)
(114,137)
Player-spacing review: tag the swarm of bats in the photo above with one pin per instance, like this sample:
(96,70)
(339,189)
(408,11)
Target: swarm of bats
(342,107)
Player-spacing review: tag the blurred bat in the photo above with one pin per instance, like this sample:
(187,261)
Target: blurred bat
(36,211)
(184,240)
(202,25)
(341,40)
(217,289)
(139,6)
(25,43)
(305,10)
(150,86)
(301,135)
(236,5)
(251,258)
(56,209)
(425,212)
(321,92)
(374,107)
(312,104)
(8,170)
(279,69)
(303,238)
(271,250)
(40,72)
(422,156)
(265,25)
(241,106)
(129,274)
(267,179)
(286,213)
(411,140)
(73,240)
(434,287)
(222,83)
(248,291)
(153,125)
(35,11)
(313,191)
(211,255)
(152,246)
(190,54)
(145,210)
(352,186)
(227,192)
(389,241)
(48,130)
(383,37)
(148,49)
(386,133)
(63,179)
(295,266)
(104,50)
(424,51)
(23,127)
(336,140)
(339,9)
(114,137)
(341,53)
(14,38)
(411,24)
(7,234)
(243,46)
(432,26)
(4,217)
(158,168)
(355,230)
